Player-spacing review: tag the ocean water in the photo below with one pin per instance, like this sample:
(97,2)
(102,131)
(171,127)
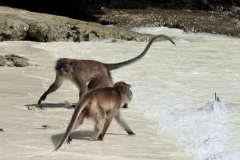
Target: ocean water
(175,85)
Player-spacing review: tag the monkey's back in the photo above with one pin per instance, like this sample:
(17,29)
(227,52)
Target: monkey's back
(107,97)
(90,69)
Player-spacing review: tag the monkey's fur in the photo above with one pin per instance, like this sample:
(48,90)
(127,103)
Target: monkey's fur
(80,72)
(101,105)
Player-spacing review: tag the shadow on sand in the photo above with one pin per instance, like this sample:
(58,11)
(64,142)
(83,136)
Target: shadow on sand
(66,105)
(79,135)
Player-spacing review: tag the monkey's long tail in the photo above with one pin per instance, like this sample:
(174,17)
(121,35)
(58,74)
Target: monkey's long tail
(77,111)
(111,66)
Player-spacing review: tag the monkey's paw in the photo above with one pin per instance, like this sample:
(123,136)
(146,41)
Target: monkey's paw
(96,139)
(130,132)
(69,139)
(125,105)
(42,98)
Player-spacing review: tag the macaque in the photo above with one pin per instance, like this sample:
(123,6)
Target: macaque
(101,105)
(89,74)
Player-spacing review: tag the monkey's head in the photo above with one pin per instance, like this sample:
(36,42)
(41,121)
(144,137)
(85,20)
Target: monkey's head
(125,91)
(64,66)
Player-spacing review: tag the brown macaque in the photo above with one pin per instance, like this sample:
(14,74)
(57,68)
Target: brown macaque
(95,73)
(101,105)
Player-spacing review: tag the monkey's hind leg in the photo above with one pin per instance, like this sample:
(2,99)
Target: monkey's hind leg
(125,105)
(98,128)
(69,139)
(106,125)
(99,118)
(100,81)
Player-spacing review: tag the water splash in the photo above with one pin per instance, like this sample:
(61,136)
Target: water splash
(201,129)
(216,106)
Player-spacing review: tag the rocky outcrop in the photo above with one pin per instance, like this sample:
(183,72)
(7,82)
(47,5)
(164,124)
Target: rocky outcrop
(17,24)
(85,9)
(12,60)
(219,16)
(189,20)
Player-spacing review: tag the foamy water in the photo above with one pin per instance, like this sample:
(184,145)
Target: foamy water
(174,83)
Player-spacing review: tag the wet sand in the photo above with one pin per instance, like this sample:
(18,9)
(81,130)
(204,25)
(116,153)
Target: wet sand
(24,139)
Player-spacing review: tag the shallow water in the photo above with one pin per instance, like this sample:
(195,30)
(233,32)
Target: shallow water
(171,85)
(202,64)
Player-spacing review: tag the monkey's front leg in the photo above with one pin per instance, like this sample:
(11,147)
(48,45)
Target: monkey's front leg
(81,92)
(51,89)
(57,83)
(123,124)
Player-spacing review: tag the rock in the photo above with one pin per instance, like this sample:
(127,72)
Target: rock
(45,127)
(85,9)
(13,60)
(34,108)
(38,31)
(17,24)
(190,21)
(3,60)
(219,16)
(11,29)
(20,62)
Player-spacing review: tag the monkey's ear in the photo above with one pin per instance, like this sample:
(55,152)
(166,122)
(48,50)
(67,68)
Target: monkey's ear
(71,63)
(120,89)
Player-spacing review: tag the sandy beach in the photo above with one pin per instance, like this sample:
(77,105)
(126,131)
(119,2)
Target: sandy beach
(23,137)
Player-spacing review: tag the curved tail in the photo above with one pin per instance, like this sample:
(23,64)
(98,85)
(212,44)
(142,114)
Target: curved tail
(77,111)
(121,64)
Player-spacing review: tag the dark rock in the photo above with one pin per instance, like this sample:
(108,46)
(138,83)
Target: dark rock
(219,16)
(38,31)
(85,9)
(20,62)
(3,61)
(11,29)
(15,60)
(190,21)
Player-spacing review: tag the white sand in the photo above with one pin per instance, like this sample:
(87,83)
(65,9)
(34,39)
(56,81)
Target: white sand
(22,139)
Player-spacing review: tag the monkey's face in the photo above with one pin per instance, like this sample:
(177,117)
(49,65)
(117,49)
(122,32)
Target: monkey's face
(63,66)
(129,93)
(124,88)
